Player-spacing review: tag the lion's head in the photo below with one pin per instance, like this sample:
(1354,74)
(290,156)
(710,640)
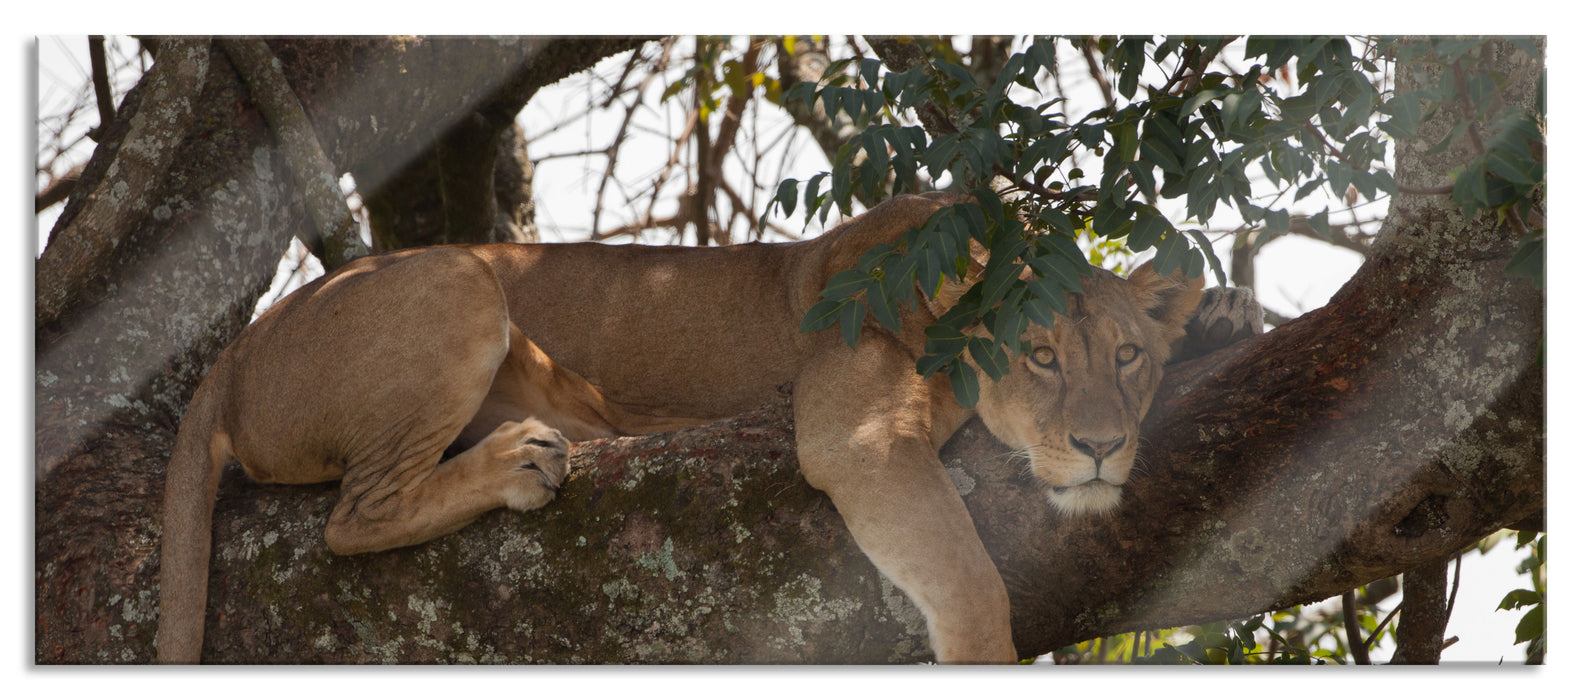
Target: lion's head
(1073,404)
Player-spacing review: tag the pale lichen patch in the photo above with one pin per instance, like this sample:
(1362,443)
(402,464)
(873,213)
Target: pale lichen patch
(661,561)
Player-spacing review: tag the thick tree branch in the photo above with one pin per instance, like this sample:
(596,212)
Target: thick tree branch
(85,236)
(1421,634)
(1382,433)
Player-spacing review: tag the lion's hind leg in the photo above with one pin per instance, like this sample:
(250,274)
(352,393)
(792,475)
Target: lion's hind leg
(518,466)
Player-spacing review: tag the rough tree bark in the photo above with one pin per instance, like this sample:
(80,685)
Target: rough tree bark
(1378,434)
(185,207)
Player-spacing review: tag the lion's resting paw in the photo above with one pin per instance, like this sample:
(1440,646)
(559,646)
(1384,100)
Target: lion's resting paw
(536,456)
(1225,316)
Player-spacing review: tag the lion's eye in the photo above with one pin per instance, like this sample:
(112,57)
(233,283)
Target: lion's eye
(1044,357)
(1126,354)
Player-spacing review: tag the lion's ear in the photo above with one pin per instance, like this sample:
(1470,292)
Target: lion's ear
(1169,299)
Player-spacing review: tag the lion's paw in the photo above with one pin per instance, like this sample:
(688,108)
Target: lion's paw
(536,457)
(1225,315)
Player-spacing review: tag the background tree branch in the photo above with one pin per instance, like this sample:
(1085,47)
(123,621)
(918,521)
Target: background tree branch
(187,228)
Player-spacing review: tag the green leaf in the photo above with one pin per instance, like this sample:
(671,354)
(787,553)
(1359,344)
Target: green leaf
(1122,152)
(1047,292)
(1008,322)
(1156,151)
(1531,625)
(989,356)
(1520,598)
(785,196)
(1320,223)
(1278,221)
(1147,231)
(1039,311)
(998,280)
(1172,254)
(845,283)
(1471,189)
(869,70)
(811,195)
(822,315)
(1203,97)
(1339,175)
(1517,168)
(1066,248)
(927,365)
(1059,221)
(882,306)
(1208,252)
(1109,217)
(964,383)
(900,276)
(1528,261)
(1057,269)
(851,314)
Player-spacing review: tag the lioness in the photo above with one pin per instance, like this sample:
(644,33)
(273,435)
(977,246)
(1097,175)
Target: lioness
(370,373)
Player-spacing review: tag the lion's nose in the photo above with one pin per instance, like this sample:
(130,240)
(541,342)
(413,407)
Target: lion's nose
(1095,448)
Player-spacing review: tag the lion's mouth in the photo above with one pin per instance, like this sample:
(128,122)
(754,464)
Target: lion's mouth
(1093,497)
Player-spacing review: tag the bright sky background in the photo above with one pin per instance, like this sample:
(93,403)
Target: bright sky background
(1484,579)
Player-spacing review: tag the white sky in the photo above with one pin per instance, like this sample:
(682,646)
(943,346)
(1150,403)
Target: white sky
(1484,580)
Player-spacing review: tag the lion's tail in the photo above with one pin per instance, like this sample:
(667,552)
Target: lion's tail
(191,481)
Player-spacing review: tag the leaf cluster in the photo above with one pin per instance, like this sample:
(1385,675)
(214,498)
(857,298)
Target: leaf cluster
(1308,112)
(1531,628)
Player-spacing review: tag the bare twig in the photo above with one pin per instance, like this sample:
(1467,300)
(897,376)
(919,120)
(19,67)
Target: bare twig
(1090,54)
(1383,625)
(59,188)
(614,149)
(1348,610)
(101,85)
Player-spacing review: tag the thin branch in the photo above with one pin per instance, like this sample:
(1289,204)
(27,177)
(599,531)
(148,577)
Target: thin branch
(636,228)
(1089,53)
(101,86)
(1185,68)
(339,240)
(1383,625)
(1348,611)
(59,188)
(614,149)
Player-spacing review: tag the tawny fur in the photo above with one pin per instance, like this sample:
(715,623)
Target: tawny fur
(505,352)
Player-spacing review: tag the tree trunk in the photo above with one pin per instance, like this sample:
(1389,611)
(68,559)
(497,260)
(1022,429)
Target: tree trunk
(1385,431)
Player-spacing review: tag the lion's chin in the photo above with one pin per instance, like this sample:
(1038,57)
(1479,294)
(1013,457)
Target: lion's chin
(1095,497)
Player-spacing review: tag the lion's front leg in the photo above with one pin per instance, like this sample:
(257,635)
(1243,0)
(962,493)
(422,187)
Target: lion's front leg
(863,439)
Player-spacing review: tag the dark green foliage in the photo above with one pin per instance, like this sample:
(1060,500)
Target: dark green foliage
(1308,112)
